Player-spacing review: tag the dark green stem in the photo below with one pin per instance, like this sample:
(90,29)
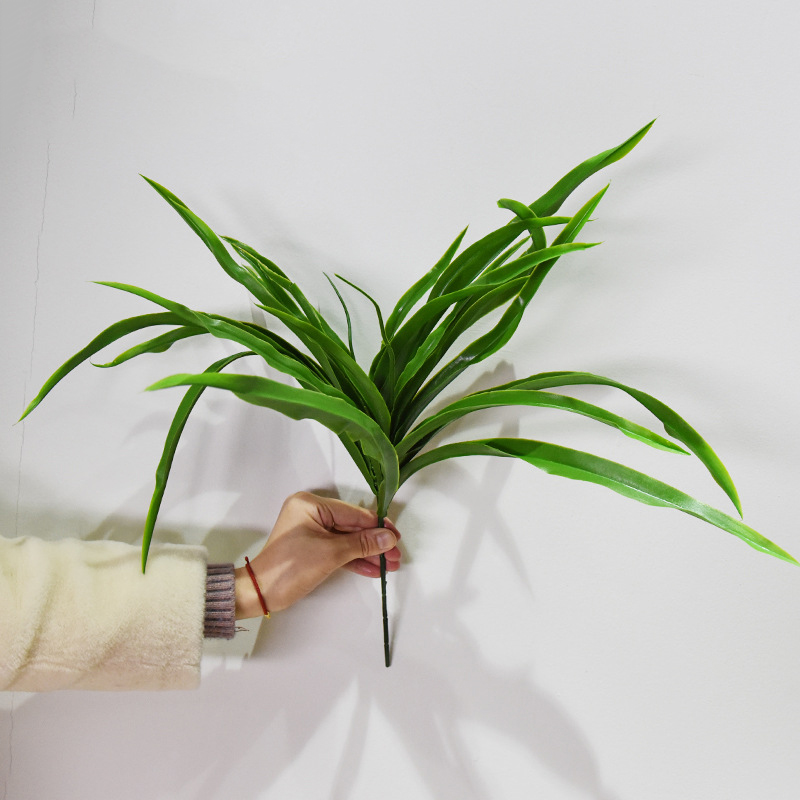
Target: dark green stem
(387,656)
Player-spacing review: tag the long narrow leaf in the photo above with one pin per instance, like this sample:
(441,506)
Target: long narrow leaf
(461,272)
(386,384)
(475,258)
(431,351)
(492,341)
(406,342)
(309,315)
(675,425)
(463,269)
(414,294)
(279,343)
(286,293)
(375,305)
(429,427)
(269,278)
(519,266)
(188,402)
(346,316)
(110,335)
(234,331)
(553,199)
(253,256)
(337,353)
(301,326)
(578,465)
(530,220)
(503,258)
(360,460)
(338,415)
(409,339)
(528,217)
(211,241)
(159,344)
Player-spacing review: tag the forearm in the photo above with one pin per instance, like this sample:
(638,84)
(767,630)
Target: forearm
(80,614)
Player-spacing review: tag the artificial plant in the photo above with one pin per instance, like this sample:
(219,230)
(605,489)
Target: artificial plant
(378,413)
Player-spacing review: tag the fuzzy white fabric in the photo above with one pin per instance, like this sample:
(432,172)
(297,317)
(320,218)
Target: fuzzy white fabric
(81,615)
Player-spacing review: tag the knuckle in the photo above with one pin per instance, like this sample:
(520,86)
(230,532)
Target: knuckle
(296,500)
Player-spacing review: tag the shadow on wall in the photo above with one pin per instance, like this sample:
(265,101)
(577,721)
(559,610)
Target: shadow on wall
(315,672)
(243,731)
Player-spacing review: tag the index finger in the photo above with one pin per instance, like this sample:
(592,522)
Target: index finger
(344,516)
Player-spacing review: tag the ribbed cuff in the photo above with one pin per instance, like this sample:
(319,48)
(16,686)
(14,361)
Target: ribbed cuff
(220,618)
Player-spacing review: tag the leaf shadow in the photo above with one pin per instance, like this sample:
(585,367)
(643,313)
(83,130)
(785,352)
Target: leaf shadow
(315,669)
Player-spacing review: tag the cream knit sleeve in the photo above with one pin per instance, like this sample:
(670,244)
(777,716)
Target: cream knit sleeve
(81,615)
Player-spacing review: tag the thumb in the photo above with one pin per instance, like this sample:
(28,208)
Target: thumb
(361,544)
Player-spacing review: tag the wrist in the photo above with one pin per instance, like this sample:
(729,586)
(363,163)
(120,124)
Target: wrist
(248,604)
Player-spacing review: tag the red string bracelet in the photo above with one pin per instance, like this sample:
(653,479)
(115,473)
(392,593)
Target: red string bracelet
(258,588)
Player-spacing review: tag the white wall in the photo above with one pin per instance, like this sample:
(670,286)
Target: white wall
(551,639)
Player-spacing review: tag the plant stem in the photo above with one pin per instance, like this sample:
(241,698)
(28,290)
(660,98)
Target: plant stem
(387,656)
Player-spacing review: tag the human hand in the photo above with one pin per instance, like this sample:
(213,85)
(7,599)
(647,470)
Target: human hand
(312,538)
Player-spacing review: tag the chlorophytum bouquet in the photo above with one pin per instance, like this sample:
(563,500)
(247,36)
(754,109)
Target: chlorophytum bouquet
(379,413)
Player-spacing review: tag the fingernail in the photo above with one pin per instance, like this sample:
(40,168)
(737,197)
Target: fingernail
(385,540)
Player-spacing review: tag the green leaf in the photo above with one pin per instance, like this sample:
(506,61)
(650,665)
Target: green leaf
(288,296)
(414,294)
(428,353)
(475,259)
(528,217)
(279,343)
(674,424)
(110,335)
(503,258)
(338,415)
(406,341)
(375,305)
(456,274)
(462,270)
(578,465)
(171,445)
(519,266)
(498,336)
(361,461)
(235,331)
(531,221)
(312,315)
(495,286)
(346,316)
(553,199)
(494,398)
(158,344)
(488,292)
(362,388)
(212,242)
(262,263)
(309,334)
(269,274)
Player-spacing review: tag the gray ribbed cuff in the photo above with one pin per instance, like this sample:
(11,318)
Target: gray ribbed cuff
(220,619)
